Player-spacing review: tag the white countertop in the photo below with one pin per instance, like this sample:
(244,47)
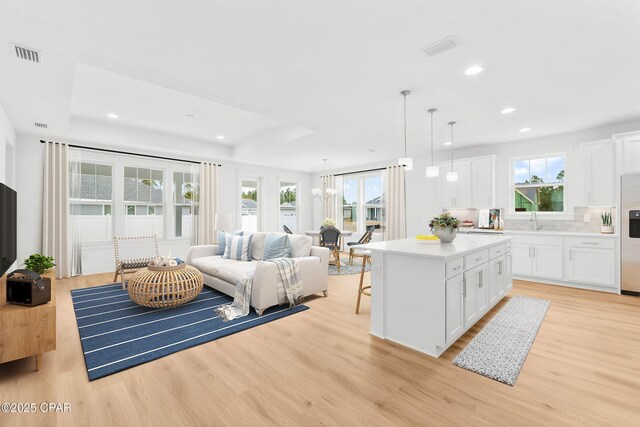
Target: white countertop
(462,245)
(533,233)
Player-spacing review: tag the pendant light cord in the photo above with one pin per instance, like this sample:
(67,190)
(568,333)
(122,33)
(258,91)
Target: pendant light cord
(404,93)
(451,124)
(431,111)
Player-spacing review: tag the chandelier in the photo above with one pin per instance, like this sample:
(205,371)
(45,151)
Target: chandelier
(329,192)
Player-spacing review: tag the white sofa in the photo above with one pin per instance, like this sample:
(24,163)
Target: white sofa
(223,274)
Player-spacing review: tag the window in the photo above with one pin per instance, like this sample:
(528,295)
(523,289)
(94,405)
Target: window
(362,202)
(538,184)
(184,191)
(91,200)
(288,205)
(249,205)
(144,187)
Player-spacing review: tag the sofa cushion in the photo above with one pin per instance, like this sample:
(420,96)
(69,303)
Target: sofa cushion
(224,269)
(238,247)
(300,245)
(233,272)
(276,246)
(222,243)
(257,245)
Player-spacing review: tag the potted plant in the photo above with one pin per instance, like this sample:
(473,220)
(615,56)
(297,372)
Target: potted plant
(445,227)
(39,263)
(607,223)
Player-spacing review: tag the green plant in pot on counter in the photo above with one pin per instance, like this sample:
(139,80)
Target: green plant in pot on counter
(39,263)
(607,222)
(445,227)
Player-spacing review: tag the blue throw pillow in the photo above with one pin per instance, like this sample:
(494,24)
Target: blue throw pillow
(276,247)
(238,247)
(222,240)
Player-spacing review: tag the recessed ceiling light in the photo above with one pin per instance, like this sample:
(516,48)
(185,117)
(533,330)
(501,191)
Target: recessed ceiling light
(112,116)
(508,110)
(220,137)
(525,129)
(447,143)
(473,70)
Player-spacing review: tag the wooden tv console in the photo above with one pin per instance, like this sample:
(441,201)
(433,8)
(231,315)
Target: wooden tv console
(27,331)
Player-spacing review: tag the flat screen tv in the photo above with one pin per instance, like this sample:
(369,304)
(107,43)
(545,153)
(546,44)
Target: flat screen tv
(8,227)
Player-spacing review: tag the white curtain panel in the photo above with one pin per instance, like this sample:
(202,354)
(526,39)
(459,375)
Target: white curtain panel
(207,204)
(329,209)
(75,192)
(55,207)
(395,209)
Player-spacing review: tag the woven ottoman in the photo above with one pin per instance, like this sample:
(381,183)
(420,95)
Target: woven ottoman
(161,287)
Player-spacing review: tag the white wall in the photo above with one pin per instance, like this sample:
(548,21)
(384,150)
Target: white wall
(423,200)
(99,256)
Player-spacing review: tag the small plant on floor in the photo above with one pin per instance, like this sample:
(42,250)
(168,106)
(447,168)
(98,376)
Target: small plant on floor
(606,219)
(39,263)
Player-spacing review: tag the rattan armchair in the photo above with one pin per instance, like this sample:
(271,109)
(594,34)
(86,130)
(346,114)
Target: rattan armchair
(133,253)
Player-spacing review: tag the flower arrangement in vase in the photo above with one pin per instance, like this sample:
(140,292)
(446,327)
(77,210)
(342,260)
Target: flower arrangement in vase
(445,227)
(607,223)
(328,222)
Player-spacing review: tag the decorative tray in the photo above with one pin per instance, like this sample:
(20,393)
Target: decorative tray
(166,268)
(428,242)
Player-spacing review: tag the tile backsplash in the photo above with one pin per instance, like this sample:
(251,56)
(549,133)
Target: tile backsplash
(577,224)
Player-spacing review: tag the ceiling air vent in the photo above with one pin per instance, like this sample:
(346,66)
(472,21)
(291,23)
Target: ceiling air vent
(41,125)
(27,54)
(441,46)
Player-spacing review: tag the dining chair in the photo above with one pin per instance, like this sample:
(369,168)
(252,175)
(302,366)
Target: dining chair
(330,239)
(366,238)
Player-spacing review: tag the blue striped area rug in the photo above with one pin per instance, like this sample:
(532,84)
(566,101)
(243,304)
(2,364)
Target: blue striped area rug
(117,334)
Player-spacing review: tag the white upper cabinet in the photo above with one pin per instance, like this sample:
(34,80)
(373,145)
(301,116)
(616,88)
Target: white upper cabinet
(474,187)
(597,167)
(482,184)
(631,155)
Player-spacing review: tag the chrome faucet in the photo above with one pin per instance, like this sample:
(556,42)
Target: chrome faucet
(534,218)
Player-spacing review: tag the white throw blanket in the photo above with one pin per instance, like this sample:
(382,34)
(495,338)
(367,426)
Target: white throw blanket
(289,289)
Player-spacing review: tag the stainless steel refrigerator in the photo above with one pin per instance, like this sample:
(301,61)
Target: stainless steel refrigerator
(630,236)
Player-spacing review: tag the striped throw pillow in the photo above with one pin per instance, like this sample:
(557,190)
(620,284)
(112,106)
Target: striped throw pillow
(238,247)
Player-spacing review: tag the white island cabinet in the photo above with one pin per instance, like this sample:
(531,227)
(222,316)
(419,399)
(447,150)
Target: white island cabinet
(426,296)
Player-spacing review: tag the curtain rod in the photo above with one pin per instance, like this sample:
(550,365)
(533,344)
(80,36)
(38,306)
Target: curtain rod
(105,150)
(361,171)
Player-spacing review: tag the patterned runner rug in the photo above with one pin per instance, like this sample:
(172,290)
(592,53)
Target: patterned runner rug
(501,347)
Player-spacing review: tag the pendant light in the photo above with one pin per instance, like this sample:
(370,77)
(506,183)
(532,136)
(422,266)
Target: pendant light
(452,175)
(405,161)
(432,171)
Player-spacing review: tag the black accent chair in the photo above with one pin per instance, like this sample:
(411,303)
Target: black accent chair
(330,239)
(286,229)
(366,238)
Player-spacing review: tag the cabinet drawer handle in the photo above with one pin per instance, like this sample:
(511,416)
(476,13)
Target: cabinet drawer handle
(479,259)
(457,268)
(499,251)
(590,243)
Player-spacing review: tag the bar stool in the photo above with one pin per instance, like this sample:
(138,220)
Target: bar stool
(362,290)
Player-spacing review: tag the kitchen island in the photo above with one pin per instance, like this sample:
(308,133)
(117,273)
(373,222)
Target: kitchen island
(426,296)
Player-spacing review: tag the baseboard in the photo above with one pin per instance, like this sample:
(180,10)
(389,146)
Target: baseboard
(569,284)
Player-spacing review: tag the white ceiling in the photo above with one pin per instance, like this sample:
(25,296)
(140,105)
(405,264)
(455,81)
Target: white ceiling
(305,80)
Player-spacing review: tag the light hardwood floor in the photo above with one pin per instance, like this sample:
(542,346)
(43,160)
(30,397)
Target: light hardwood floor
(321,367)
